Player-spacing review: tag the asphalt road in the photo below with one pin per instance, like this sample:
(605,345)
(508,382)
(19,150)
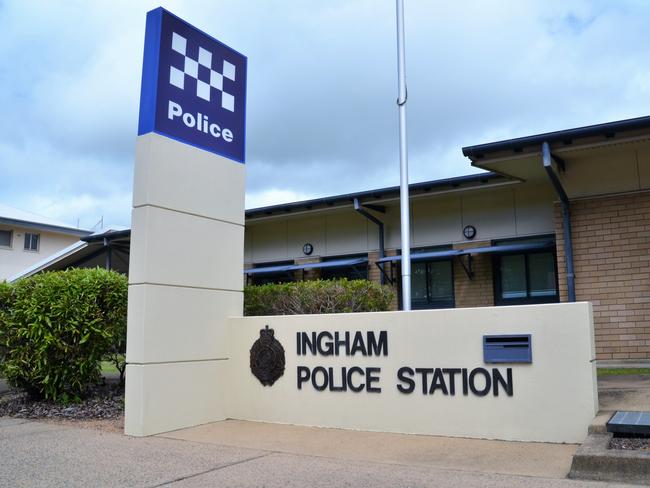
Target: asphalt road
(35,454)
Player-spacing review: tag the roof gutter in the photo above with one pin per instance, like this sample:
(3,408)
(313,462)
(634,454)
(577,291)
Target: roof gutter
(547,161)
(110,236)
(371,196)
(609,129)
(44,227)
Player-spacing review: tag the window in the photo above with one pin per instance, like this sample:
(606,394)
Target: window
(432,284)
(272,277)
(529,277)
(354,272)
(31,242)
(5,238)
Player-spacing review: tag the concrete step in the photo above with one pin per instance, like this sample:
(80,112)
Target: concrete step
(594,461)
(599,424)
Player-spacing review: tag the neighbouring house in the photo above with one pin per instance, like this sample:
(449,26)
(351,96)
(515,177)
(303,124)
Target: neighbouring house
(26,238)
(560,216)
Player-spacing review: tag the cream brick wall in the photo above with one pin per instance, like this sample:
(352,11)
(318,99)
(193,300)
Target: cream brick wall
(611,246)
(307,274)
(478,291)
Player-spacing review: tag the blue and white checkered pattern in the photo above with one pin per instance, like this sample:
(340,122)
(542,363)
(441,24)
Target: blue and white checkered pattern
(191,68)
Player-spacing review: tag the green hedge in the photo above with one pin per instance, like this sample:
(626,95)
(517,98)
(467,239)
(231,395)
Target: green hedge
(5,306)
(56,327)
(317,296)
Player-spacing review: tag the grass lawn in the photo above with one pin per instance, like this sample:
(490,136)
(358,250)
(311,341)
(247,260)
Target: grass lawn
(622,371)
(108,367)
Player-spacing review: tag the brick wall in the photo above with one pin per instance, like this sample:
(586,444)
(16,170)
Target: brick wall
(477,292)
(375,275)
(373,271)
(307,274)
(611,247)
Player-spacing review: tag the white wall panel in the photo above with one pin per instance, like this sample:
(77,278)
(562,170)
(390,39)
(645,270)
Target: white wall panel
(491,212)
(346,233)
(534,210)
(436,221)
(554,398)
(310,229)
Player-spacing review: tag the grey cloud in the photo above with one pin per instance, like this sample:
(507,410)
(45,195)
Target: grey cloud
(321,89)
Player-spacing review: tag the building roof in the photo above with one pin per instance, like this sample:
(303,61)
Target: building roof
(83,249)
(110,234)
(14,216)
(372,196)
(90,243)
(566,137)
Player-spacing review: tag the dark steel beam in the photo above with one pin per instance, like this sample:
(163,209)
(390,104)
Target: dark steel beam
(109,254)
(547,161)
(359,208)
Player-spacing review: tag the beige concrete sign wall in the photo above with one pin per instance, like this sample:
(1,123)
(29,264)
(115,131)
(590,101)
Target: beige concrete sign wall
(552,399)
(187,242)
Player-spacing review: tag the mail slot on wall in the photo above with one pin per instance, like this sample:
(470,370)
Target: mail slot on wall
(507,349)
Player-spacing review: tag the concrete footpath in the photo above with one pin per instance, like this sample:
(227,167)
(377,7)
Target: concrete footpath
(35,454)
(251,454)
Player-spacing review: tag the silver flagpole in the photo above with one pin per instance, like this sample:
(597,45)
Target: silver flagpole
(403,162)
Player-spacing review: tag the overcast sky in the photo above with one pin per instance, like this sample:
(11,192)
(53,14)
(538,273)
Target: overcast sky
(322,85)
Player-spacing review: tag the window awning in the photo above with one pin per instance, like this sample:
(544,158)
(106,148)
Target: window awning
(419,256)
(514,247)
(270,269)
(450,253)
(335,263)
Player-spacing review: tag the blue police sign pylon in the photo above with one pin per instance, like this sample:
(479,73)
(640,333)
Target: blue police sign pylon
(193,87)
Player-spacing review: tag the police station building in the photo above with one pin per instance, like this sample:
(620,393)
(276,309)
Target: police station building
(562,216)
(558,217)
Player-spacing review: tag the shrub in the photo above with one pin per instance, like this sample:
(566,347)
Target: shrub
(317,296)
(57,328)
(6,299)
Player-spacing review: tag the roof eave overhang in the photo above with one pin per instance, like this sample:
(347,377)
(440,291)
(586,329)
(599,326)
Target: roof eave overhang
(44,227)
(570,137)
(381,195)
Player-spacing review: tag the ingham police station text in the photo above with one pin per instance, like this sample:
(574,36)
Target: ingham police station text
(422,379)
(200,122)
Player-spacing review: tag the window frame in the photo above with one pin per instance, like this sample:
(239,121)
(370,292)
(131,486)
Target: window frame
(11,239)
(528,300)
(438,304)
(38,242)
(325,271)
(268,278)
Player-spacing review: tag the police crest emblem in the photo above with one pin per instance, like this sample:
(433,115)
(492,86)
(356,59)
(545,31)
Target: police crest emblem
(267,358)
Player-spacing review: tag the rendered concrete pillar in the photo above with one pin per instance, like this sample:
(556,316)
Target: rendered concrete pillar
(187,230)
(186,279)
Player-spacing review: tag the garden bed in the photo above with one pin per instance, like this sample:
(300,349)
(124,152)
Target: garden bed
(104,402)
(630,443)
